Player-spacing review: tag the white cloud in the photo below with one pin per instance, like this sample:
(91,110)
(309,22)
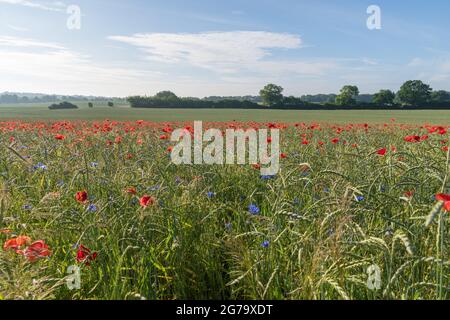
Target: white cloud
(17,28)
(226,52)
(28,64)
(48,6)
(6,41)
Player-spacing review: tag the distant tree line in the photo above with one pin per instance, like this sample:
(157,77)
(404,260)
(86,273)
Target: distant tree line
(63,105)
(413,94)
(13,98)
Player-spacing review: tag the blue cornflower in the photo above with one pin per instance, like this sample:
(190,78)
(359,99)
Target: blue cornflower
(265,244)
(228,225)
(268,177)
(92,207)
(27,207)
(94,164)
(211,194)
(178,180)
(359,198)
(41,166)
(253,209)
(326,190)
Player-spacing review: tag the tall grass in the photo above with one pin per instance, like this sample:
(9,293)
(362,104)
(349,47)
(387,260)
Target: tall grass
(330,213)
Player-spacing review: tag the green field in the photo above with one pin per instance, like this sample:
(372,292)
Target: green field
(124,113)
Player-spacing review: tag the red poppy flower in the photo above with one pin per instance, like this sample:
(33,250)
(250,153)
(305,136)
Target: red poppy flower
(131,190)
(36,251)
(16,243)
(382,152)
(335,140)
(81,196)
(412,139)
(59,137)
(85,256)
(446,199)
(283,156)
(269,140)
(163,137)
(146,201)
(409,194)
(256,166)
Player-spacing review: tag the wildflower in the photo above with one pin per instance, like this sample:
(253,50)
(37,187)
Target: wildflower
(16,243)
(60,137)
(211,194)
(27,207)
(283,156)
(359,198)
(253,209)
(265,244)
(85,256)
(228,226)
(36,251)
(81,197)
(94,164)
(41,166)
(412,139)
(446,199)
(146,201)
(268,177)
(409,194)
(131,190)
(382,152)
(92,208)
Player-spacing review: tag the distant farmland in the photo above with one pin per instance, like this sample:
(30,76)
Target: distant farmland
(124,113)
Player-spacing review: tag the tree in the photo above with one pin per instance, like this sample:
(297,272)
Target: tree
(271,95)
(166,95)
(293,101)
(440,96)
(414,93)
(347,96)
(384,98)
(110,104)
(90,105)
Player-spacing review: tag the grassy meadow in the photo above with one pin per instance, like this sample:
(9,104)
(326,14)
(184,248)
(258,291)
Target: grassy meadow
(104,196)
(123,112)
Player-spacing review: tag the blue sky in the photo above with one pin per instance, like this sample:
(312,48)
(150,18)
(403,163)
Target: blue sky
(205,47)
